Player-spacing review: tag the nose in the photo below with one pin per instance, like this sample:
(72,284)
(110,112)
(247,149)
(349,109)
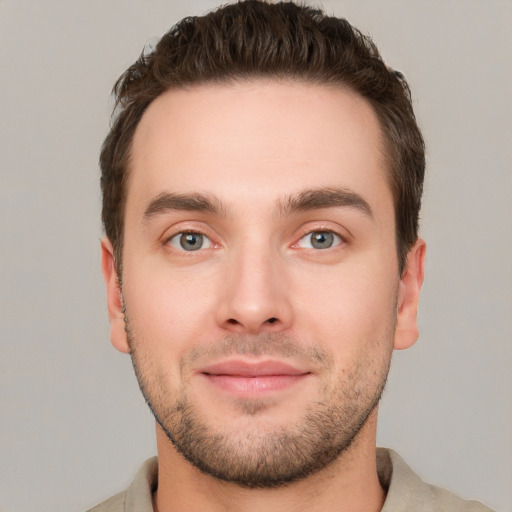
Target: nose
(254,295)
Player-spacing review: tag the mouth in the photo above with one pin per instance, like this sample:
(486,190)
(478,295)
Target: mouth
(244,378)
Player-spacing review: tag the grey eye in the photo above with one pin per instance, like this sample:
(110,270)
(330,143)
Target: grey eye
(190,241)
(320,240)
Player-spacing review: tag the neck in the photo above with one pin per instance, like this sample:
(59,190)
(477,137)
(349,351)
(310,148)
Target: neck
(350,483)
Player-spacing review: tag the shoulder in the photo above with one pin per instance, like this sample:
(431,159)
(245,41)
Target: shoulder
(407,491)
(138,496)
(113,504)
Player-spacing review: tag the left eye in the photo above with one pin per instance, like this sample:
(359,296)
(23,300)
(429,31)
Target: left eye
(190,241)
(320,240)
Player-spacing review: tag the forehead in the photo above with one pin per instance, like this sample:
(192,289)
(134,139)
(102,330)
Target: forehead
(260,137)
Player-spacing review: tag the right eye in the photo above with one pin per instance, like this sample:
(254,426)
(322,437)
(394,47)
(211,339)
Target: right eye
(321,239)
(190,241)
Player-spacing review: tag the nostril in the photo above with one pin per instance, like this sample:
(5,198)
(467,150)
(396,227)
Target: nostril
(235,322)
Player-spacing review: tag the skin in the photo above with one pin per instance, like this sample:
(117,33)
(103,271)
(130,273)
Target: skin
(258,278)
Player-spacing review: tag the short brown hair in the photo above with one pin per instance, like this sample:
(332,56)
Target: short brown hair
(254,39)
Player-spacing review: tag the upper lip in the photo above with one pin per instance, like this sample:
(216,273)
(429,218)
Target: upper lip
(239,368)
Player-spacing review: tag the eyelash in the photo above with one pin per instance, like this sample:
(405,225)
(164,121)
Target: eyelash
(307,232)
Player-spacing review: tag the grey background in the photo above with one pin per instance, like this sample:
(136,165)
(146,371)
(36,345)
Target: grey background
(73,426)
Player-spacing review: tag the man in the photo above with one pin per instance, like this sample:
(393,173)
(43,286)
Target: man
(261,189)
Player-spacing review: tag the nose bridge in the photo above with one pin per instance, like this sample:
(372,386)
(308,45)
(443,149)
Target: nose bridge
(255,296)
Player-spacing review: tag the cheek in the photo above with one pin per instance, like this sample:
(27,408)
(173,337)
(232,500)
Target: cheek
(347,308)
(170,309)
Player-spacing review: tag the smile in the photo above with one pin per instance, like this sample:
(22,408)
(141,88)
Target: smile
(244,378)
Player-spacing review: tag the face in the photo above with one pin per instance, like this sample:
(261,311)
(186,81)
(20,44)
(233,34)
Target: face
(260,277)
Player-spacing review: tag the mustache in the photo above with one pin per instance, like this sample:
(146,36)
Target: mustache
(277,345)
(271,344)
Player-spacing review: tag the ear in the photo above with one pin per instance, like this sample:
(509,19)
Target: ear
(114,298)
(406,332)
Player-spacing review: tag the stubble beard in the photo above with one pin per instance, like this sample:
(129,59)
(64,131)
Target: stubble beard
(266,458)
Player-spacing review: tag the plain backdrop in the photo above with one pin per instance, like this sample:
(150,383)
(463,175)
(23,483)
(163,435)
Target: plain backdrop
(73,426)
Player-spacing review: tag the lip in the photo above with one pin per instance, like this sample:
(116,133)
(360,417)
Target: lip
(240,368)
(241,377)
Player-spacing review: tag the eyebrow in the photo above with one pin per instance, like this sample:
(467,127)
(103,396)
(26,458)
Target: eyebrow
(311,199)
(195,202)
(325,197)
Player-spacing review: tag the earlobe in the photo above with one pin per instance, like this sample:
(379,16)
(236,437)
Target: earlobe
(114,298)
(406,332)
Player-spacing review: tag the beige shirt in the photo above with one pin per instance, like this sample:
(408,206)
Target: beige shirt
(406,492)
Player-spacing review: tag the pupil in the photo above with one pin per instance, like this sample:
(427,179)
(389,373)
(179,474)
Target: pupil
(191,241)
(322,240)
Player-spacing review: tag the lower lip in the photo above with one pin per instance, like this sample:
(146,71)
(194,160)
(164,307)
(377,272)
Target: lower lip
(241,385)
